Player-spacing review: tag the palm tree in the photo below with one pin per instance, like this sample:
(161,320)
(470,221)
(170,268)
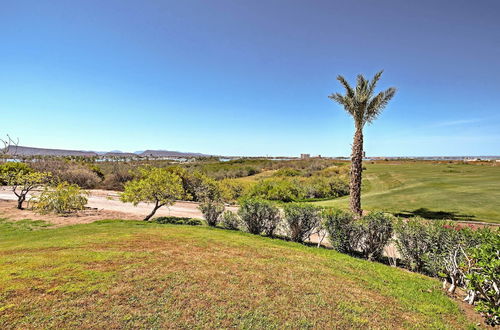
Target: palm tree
(364,108)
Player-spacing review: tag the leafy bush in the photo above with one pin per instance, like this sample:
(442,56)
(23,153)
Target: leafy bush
(97,170)
(449,244)
(372,233)
(287,171)
(211,211)
(68,171)
(287,189)
(259,216)
(282,189)
(322,187)
(230,220)
(301,219)
(413,241)
(178,221)
(231,169)
(334,171)
(81,176)
(61,199)
(340,228)
(484,275)
(210,196)
(116,179)
(232,190)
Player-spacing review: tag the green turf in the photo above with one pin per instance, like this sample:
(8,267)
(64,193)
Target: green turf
(132,274)
(432,190)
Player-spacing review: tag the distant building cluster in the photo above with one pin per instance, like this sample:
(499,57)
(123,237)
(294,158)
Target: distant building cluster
(307,156)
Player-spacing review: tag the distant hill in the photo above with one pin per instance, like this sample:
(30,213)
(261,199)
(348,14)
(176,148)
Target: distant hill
(30,151)
(119,154)
(167,153)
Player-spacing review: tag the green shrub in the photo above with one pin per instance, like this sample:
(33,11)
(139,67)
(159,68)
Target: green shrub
(301,220)
(209,193)
(230,220)
(61,199)
(413,241)
(178,221)
(211,211)
(448,252)
(323,187)
(484,275)
(278,189)
(372,233)
(232,190)
(79,175)
(340,228)
(287,171)
(286,189)
(259,216)
(117,176)
(69,171)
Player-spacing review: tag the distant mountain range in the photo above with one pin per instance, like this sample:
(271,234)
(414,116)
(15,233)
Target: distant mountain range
(30,151)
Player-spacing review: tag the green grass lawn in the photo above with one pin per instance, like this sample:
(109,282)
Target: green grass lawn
(128,274)
(432,190)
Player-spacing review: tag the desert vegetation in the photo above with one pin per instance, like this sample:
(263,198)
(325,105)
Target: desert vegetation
(275,201)
(61,199)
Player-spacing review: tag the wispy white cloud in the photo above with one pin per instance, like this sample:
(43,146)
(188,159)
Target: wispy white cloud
(458,122)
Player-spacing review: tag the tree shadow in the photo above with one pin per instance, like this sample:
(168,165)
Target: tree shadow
(434,215)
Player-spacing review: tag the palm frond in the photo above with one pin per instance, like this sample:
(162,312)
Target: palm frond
(361,85)
(374,81)
(349,90)
(359,101)
(345,101)
(377,104)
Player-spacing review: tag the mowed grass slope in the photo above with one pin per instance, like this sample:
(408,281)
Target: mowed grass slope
(126,274)
(432,190)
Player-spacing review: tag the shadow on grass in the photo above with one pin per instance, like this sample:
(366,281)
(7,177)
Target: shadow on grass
(434,215)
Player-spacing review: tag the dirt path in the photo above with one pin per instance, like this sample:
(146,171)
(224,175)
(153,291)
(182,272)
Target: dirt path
(104,200)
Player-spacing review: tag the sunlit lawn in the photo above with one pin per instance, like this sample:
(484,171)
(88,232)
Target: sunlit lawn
(447,191)
(127,274)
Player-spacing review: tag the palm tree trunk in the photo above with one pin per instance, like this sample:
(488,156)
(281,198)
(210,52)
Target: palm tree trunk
(356,172)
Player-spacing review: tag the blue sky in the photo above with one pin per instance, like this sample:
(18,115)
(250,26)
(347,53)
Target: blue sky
(249,77)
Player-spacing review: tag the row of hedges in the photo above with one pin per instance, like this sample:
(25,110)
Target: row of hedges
(462,256)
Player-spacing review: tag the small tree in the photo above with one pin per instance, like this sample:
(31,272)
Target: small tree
(61,199)
(22,182)
(153,185)
(301,219)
